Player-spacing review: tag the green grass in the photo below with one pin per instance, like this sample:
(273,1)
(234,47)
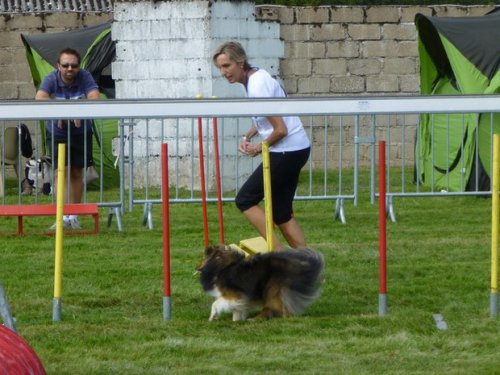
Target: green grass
(438,262)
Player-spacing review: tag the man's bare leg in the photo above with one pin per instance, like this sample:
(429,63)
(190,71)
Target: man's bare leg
(76,185)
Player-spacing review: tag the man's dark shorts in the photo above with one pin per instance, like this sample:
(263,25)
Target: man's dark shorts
(80,149)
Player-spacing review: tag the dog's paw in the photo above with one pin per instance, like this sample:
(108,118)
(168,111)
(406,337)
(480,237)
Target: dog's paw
(213,317)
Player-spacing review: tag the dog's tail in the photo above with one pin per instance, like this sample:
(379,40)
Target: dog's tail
(305,280)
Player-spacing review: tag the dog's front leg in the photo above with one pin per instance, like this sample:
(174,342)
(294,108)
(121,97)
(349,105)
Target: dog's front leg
(213,312)
(218,307)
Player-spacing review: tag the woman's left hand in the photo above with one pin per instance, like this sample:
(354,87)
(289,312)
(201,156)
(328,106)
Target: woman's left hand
(253,149)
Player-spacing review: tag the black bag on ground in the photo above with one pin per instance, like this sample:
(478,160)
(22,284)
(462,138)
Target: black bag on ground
(26,144)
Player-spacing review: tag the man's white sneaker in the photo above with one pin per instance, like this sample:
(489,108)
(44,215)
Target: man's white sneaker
(74,224)
(66,225)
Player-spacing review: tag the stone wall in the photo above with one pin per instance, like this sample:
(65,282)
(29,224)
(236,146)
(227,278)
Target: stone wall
(343,50)
(316,51)
(328,50)
(15,76)
(164,50)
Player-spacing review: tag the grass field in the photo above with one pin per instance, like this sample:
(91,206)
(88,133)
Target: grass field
(438,262)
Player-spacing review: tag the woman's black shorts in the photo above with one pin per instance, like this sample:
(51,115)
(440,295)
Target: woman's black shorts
(285,170)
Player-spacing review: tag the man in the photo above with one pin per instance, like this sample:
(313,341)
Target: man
(68,81)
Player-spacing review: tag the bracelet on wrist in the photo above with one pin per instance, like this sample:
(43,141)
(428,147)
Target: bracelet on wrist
(245,138)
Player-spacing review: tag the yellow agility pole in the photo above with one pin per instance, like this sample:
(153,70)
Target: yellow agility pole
(56,304)
(266,167)
(252,246)
(494,225)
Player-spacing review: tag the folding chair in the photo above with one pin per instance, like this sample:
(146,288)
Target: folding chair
(9,154)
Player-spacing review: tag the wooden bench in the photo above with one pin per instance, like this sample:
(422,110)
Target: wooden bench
(21,210)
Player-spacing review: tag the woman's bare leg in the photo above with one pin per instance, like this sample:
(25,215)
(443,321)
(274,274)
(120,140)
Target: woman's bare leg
(257,217)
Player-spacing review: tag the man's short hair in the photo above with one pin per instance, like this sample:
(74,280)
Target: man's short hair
(69,51)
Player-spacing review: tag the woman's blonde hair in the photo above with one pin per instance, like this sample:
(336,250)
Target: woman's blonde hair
(234,51)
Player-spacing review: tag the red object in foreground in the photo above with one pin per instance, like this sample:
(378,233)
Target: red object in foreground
(16,356)
(21,210)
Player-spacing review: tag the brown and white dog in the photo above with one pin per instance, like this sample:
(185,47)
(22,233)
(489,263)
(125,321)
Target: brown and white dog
(282,283)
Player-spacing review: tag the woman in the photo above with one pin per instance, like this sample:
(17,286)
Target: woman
(289,148)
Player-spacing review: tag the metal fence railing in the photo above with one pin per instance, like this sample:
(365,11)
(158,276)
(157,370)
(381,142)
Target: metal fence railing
(422,135)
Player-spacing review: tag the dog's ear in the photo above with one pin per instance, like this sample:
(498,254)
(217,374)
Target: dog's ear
(209,250)
(207,254)
(213,249)
(200,265)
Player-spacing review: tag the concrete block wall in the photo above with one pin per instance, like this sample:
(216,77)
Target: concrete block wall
(161,49)
(164,48)
(365,50)
(160,53)
(261,40)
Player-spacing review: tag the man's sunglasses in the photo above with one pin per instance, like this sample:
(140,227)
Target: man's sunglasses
(74,66)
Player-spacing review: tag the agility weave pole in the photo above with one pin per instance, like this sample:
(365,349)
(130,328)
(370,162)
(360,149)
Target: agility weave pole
(252,246)
(202,182)
(56,303)
(218,179)
(382,240)
(494,225)
(268,200)
(166,232)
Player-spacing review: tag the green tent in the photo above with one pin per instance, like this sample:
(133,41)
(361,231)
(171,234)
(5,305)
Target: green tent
(459,55)
(98,51)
